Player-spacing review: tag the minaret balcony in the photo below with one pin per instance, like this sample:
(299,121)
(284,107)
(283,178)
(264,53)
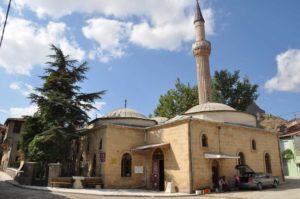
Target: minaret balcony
(201,48)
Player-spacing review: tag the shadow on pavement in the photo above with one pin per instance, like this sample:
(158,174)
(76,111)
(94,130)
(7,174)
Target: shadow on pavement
(9,191)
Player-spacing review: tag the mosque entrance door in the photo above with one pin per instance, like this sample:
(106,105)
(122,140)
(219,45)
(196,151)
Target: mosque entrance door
(158,176)
(215,174)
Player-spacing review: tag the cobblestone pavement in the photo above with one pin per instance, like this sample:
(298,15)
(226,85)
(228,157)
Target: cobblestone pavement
(290,190)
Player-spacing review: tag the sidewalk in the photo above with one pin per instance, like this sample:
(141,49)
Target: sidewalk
(100,192)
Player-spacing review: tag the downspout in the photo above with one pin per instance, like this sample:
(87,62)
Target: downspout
(145,160)
(280,157)
(190,156)
(219,136)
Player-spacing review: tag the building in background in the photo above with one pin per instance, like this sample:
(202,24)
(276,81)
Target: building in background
(10,142)
(290,148)
(2,134)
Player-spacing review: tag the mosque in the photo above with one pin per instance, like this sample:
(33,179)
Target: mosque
(129,150)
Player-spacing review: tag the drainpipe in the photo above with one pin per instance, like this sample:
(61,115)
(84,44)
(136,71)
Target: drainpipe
(190,156)
(145,159)
(280,157)
(219,132)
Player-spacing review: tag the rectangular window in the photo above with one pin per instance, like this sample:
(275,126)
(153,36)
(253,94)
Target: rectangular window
(17,127)
(297,142)
(285,145)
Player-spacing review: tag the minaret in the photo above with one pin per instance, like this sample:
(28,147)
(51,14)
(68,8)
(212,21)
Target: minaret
(201,51)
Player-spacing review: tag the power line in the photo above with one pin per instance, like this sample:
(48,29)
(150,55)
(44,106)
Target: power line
(7,11)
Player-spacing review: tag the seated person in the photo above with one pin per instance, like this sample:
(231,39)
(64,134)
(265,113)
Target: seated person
(224,184)
(236,180)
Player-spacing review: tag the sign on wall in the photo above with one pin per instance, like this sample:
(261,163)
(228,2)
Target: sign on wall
(138,169)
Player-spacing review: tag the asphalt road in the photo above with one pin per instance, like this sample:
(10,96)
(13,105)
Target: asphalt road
(290,190)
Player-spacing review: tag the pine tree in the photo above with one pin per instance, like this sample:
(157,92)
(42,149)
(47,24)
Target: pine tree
(62,109)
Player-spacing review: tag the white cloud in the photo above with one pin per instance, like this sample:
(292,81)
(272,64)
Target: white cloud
(15,86)
(96,112)
(24,88)
(169,35)
(26,44)
(3,111)
(22,111)
(152,24)
(288,72)
(116,8)
(110,36)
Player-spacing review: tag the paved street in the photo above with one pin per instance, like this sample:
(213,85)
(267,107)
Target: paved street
(290,190)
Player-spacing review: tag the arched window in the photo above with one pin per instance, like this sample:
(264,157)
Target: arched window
(268,163)
(126,165)
(100,144)
(204,141)
(241,159)
(253,144)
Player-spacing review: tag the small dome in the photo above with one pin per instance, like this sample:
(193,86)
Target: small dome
(209,106)
(125,113)
(159,120)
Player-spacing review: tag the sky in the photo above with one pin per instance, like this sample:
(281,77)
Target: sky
(137,49)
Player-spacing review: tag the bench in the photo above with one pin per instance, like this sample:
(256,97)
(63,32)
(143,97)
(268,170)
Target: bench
(92,182)
(62,181)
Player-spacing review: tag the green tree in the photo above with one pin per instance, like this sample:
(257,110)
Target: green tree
(62,108)
(227,88)
(32,127)
(288,154)
(177,101)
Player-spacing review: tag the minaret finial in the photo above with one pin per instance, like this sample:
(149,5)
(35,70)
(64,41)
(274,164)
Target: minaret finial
(198,13)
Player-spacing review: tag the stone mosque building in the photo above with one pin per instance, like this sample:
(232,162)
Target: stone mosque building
(129,150)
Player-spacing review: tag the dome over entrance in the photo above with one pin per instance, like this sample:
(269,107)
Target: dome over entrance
(209,106)
(125,113)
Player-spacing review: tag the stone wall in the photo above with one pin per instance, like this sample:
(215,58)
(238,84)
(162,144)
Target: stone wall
(231,139)
(176,158)
(116,141)
(121,140)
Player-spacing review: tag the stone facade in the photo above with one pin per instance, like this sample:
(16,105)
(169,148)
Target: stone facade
(10,144)
(231,139)
(105,160)
(185,165)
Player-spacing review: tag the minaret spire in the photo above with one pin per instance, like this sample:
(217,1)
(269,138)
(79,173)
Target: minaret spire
(201,51)
(198,13)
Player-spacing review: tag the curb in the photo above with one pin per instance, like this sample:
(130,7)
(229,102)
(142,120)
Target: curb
(94,192)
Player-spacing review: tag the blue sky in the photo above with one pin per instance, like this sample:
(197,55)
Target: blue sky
(136,49)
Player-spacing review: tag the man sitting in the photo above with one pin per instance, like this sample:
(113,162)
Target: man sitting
(224,184)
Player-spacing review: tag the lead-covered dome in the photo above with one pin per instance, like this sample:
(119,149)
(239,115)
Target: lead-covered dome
(125,113)
(209,106)
(221,113)
(124,117)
